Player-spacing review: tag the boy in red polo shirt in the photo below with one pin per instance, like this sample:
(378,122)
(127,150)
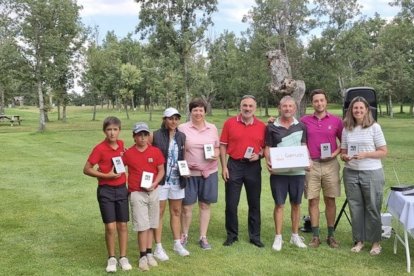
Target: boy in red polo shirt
(112,192)
(145,171)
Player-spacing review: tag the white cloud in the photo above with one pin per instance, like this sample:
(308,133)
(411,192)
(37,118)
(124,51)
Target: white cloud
(108,7)
(233,11)
(369,7)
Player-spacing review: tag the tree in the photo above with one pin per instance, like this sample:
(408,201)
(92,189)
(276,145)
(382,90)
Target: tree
(13,67)
(339,15)
(225,67)
(130,78)
(47,28)
(176,25)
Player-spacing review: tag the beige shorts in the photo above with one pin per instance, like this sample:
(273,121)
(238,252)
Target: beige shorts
(145,210)
(325,176)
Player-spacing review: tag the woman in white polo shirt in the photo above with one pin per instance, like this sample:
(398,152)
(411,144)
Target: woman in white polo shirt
(362,147)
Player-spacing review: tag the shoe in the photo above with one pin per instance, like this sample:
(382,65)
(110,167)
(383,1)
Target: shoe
(230,241)
(124,263)
(332,242)
(184,240)
(160,254)
(258,243)
(151,260)
(111,265)
(143,263)
(375,251)
(315,242)
(357,247)
(298,241)
(277,244)
(181,250)
(204,244)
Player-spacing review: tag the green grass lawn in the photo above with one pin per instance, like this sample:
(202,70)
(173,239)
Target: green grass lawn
(50,222)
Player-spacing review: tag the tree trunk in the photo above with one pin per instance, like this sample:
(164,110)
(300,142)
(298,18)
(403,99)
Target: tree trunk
(1,99)
(150,109)
(411,109)
(126,110)
(58,109)
(401,108)
(282,83)
(132,104)
(42,117)
(94,113)
(64,119)
(390,106)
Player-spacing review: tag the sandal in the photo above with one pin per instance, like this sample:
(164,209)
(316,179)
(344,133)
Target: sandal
(357,247)
(375,251)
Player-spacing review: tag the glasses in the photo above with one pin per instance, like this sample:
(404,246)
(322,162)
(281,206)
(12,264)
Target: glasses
(248,97)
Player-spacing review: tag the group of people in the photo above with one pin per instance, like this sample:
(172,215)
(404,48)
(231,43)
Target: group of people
(243,142)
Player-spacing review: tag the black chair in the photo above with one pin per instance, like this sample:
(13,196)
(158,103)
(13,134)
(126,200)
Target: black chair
(367,92)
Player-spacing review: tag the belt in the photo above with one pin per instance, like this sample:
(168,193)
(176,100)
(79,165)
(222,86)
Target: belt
(319,160)
(243,160)
(112,186)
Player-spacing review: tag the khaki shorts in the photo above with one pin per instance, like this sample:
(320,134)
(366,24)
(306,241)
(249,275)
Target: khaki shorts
(145,210)
(325,176)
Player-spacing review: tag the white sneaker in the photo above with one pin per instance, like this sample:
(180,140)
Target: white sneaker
(160,254)
(298,241)
(124,263)
(179,248)
(143,263)
(277,244)
(111,266)
(151,260)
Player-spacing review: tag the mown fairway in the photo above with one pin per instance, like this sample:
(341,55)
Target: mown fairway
(50,222)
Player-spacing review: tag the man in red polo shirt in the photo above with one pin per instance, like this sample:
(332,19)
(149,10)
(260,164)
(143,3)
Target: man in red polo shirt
(242,138)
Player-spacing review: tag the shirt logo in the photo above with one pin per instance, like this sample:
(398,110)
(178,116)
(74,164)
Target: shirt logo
(150,160)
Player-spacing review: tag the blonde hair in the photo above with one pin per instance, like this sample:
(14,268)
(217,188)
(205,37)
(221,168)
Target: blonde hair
(350,122)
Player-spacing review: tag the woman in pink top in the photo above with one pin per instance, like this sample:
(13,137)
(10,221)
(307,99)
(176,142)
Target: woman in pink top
(202,155)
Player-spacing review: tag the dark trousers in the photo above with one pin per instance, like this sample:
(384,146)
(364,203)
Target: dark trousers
(249,174)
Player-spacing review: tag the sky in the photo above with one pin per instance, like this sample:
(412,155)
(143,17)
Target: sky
(121,16)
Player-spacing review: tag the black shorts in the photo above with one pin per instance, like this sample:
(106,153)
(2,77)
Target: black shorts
(282,185)
(113,203)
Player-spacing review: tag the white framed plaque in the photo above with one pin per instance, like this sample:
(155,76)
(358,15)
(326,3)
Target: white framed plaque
(248,153)
(353,149)
(183,168)
(147,179)
(208,151)
(326,150)
(118,164)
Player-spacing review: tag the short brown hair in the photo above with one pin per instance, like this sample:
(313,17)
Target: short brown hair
(111,120)
(197,102)
(316,92)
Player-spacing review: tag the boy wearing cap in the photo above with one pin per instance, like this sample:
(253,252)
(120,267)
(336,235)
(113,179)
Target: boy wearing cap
(112,193)
(145,163)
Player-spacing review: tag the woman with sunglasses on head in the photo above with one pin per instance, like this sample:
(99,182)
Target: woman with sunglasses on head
(171,143)
(362,147)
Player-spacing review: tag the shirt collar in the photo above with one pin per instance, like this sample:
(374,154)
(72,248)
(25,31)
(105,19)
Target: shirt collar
(327,115)
(278,124)
(240,119)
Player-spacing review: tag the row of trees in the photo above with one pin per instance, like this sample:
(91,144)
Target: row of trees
(44,48)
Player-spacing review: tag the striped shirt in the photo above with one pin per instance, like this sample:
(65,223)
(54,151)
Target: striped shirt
(368,140)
